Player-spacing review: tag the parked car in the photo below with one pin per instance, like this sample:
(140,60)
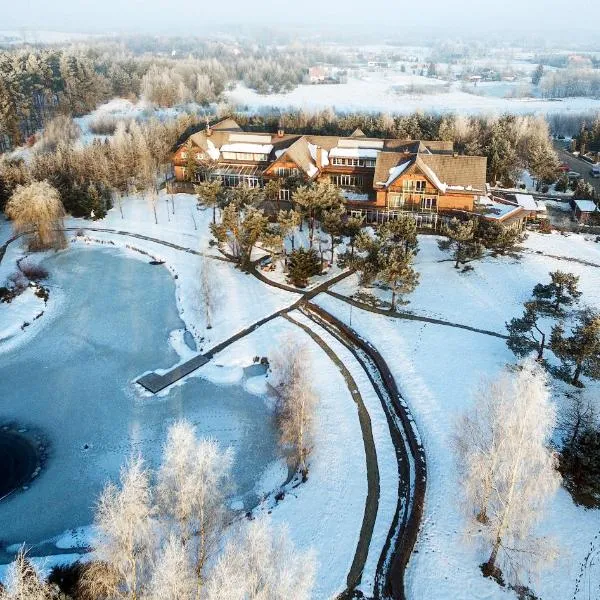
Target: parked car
(574,175)
(595,171)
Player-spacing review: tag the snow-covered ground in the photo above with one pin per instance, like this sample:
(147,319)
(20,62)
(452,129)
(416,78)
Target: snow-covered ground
(437,368)
(375,93)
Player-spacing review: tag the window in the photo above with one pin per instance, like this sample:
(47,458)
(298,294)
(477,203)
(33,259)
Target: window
(184,155)
(285,172)
(347,180)
(352,162)
(420,185)
(429,203)
(284,195)
(395,200)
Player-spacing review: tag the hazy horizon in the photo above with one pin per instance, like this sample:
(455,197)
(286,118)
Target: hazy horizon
(460,18)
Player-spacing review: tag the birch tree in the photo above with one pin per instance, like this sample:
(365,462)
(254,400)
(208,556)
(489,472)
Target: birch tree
(296,401)
(209,292)
(508,470)
(125,540)
(23,582)
(193,482)
(261,563)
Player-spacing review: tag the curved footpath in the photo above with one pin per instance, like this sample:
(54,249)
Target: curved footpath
(402,536)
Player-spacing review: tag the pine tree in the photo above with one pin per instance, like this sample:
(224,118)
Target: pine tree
(461,240)
(211,193)
(580,350)
(333,224)
(553,297)
(524,333)
(303,264)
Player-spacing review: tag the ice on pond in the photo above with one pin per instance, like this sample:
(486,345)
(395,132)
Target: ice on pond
(73,382)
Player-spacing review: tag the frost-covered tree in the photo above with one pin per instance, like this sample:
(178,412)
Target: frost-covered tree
(193,482)
(261,563)
(23,582)
(209,291)
(173,576)
(36,209)
(125,539)
(288,220)
(461,240)
(296,401)
(508,470)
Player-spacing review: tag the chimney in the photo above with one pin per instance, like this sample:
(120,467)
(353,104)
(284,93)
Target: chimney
(208,129)
(319,158)
(280,133)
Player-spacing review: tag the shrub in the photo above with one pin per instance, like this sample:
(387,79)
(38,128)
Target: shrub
(18,282)
(33,271)
(103,125)
(67,578)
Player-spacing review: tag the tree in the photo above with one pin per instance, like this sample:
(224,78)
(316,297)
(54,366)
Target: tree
(352,227)
(288,221)
(461,240)
(579,460)
(296,400)
(23,582)
(209,292)
(191,167)
(259,563)
(584,190)
(211,193)
(36,209)
(240,228)
(537,75)
(508,471)
(124,544)
(581,350)
(524,333)
(333,225)
(562,291)
(303,264)
(193,482)
(388,257)
(562,185)
(499,239)
(173,576)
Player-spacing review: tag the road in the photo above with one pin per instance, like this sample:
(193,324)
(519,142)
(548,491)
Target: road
(578,165)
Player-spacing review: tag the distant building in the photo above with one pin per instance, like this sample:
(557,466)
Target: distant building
(583,210)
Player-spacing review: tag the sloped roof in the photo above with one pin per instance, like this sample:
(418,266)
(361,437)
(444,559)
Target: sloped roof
(458,172)
(386,161)
(358,133)
(226,124)
(299,153)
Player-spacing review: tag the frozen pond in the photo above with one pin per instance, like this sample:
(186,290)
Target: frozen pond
(73,380)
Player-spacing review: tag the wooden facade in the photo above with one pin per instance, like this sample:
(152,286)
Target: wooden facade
(373,174)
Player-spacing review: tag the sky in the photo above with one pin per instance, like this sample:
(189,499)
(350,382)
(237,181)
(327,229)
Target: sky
(456,17)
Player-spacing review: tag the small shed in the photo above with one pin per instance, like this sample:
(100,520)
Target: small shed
(583,209)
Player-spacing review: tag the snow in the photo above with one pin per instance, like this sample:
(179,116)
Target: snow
(586,205)
(390,92)
(437,368)
(395,172)
(353,152)
(249,148)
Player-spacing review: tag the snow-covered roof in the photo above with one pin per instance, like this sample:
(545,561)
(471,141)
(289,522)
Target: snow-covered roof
(395,172)
(248,148)
(500,211)
(353,152)
(586,205)
(526,201)
(212,150)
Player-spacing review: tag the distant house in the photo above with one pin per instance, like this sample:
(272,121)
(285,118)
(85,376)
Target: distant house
(583,210)
(376,176)
(533,209)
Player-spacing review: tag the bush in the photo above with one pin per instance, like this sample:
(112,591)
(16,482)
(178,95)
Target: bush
(18,282)
(103,125)
(67,578)
(303,264)
(33,272)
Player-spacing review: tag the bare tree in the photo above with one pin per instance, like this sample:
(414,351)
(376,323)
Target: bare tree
(193,482)
(36,209)
(209,291)
(125,536)
(508,470)
(296,401)
(23,582)
(261,563)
